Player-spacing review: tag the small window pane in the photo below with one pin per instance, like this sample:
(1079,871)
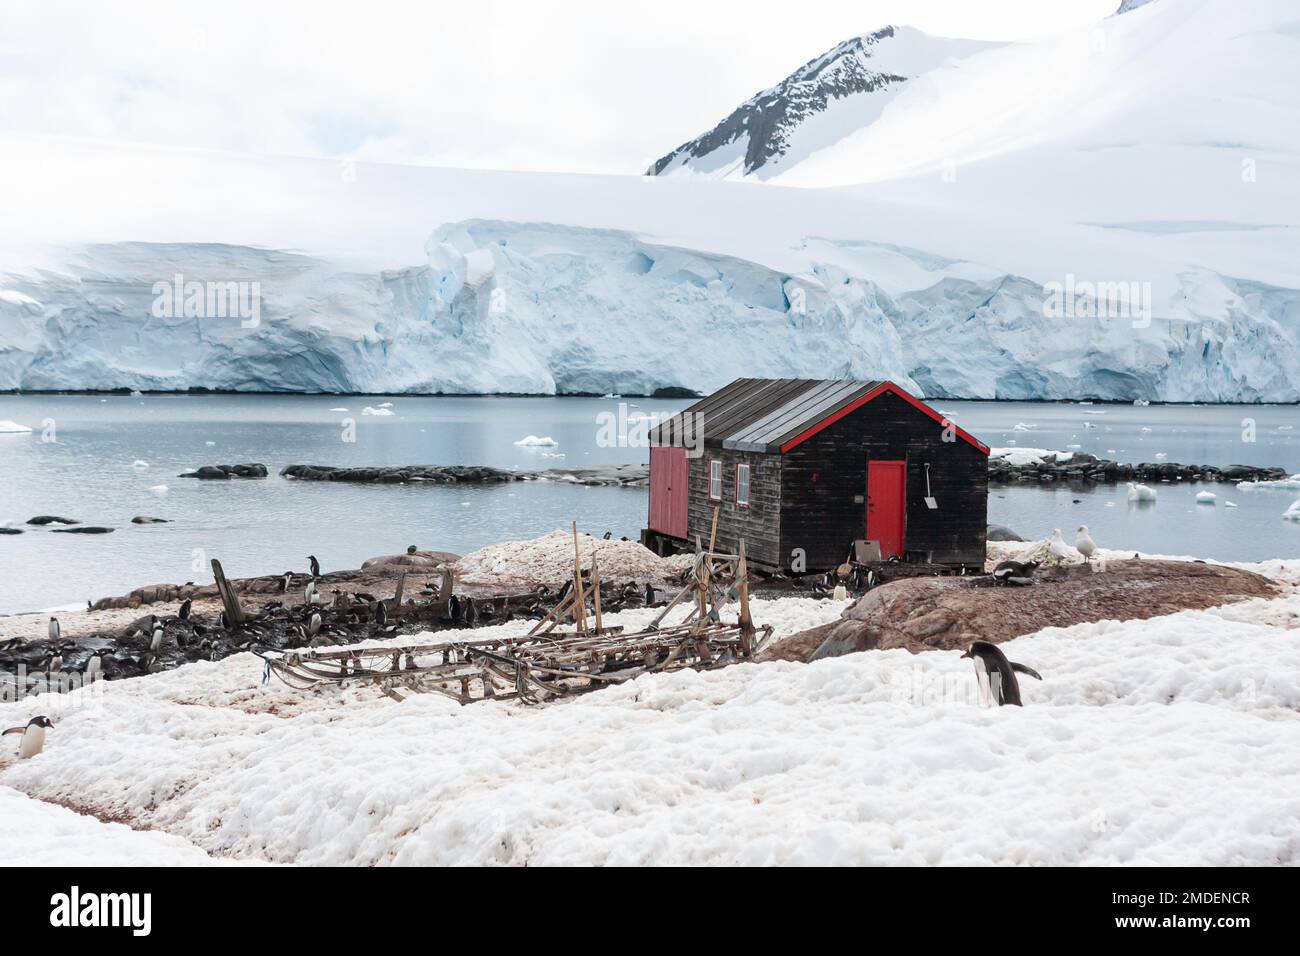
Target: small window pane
(742,484)
(715,480)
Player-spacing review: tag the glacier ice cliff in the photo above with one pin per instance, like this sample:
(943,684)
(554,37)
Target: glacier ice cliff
(504,307)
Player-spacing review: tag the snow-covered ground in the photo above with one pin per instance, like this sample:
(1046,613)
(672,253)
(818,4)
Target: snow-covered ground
(1174,740)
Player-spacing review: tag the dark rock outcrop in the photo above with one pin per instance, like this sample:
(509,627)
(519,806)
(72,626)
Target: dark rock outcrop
(144,519)
(224,472)
(83,529)
(51,519)
(1085,468)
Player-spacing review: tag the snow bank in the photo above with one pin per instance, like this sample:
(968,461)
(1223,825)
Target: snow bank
(549,560)
(33,833)
(1170,741)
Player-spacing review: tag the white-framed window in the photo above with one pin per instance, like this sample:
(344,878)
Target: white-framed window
(715,480)
(742,486)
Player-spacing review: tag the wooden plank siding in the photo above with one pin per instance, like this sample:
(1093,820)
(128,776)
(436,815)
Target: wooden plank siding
(759,524)
(824,482)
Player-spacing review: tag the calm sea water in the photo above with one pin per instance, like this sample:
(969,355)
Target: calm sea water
(267,526)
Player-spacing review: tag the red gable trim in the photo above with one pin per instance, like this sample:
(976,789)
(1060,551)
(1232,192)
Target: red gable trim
(872,395)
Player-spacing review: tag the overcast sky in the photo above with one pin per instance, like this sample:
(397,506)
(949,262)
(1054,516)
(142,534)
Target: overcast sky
(581,86)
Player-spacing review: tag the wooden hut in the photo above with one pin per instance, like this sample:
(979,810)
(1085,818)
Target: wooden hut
(801,469)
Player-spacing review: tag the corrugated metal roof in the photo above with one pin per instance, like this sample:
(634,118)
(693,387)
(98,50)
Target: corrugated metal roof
(824,398)
(731,407)
(766,414)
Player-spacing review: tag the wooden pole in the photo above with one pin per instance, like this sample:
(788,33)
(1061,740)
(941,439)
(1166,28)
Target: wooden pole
(579,597)
(234,613)
(746,622)
(595,589)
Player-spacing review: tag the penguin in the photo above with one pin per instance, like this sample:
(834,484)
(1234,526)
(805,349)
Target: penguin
(309,594)
(155,645)
(225,621)
(94,667)
(184,612)
(381,613)
(471,612)
(999,672)
(33,736)
(649,595)
(313,625)
(453,607)
(285,582)
(56,662)
(314,564)
(54,629)
(411,549)
(1018,573)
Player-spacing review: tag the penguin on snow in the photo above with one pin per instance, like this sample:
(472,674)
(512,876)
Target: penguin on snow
(992,666)
(32,741)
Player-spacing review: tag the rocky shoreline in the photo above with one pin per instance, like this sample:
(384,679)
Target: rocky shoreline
(627,476)
(1083,467)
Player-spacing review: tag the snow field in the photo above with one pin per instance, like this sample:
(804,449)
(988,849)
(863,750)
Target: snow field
(1174,740)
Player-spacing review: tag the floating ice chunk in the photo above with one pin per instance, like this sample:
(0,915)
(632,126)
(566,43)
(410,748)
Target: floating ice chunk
(159,489)
(13,428)
(338,409)
(384,405)
(1022,427)
(139,464)
(1161,455)
(210,443)
(368,410)
(1141,492)
(1206,497)
(1145,429)
(1229,504)
(1281,484)
(536,441)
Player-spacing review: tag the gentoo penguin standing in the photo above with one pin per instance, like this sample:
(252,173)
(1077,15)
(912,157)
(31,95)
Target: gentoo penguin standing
(313,625)
(1018,573)
(991,665)
(33,739)
(309,594)
(284,584)
(381,613)
(54,629)
(56,662)
(155,645)
(184,613)
(94,667)
(314,564)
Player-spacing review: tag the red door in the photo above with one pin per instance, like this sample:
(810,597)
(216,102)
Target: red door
(669,477)
(886,487)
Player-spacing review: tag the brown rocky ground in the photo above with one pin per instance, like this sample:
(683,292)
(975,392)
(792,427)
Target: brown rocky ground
(924,614)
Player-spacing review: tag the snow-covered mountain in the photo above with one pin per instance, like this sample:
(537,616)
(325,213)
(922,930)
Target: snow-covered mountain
(826,99)
(1110,156)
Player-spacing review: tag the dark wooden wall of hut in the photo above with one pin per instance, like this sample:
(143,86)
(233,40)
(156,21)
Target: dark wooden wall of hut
(759,524)
(824,482)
